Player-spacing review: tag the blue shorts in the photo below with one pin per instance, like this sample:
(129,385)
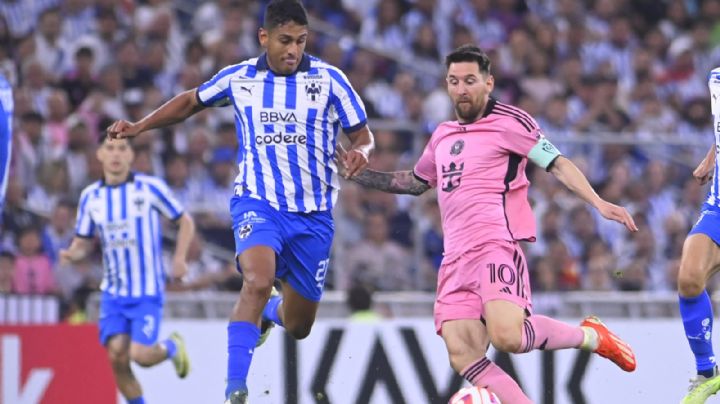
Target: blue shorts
(139,319)
(709,223)
(301,241)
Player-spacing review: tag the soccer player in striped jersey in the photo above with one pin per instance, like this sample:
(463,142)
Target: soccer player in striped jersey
(478,165)
(123,209)
(289,108)
(6,113)
(700,260)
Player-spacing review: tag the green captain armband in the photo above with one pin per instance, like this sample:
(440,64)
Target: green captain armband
(544,153)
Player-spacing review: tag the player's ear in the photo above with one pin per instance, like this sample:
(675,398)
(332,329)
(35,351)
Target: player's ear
(490,82)
(263,36)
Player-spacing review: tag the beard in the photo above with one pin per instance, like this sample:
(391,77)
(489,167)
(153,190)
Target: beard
(467,112)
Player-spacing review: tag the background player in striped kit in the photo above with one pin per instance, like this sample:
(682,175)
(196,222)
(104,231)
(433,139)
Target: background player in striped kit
(6,112)
(123,209)
(289,107)
(478,165)
(700,260)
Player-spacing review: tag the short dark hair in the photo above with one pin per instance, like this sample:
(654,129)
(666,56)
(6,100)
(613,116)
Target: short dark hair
(32,116)
(279,12)
(104,136)
(469,53)
(359,297)
(84,51)
(7,254)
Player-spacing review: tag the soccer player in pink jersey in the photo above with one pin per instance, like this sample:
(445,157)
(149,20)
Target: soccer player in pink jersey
(483,294)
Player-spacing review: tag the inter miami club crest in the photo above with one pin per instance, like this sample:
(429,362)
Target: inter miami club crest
(313,90)
(457,147)
(244,231)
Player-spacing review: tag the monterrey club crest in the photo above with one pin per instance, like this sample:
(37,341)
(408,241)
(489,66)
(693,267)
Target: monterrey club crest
(245,231)
(313,90)
(457,147)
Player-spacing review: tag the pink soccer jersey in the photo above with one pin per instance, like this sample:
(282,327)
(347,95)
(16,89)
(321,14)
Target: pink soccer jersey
(479,170)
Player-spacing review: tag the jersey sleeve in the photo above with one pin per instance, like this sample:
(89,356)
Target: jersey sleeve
(425,169)
(526,139)
(216,91)
(84,226)
(714,86)
(347,103)
(163,199)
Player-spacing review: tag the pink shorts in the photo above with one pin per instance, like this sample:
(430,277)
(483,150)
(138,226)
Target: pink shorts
(496,270)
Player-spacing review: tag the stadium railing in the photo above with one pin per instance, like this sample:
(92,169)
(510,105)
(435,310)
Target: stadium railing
(218,305)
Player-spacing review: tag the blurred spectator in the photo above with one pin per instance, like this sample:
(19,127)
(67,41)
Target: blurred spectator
(7,272)
(50,47)
(359,301)
(60,230)
(85,274)
(210,207)
(79,146)
(33,270)
(80,80)
(53,185)
(15,216)
(378,261)
(204,271)
(544,275)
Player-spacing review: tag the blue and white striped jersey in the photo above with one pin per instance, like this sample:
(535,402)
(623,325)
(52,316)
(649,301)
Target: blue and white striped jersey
(127,219)
(287,129)
(713,198)
(6,113)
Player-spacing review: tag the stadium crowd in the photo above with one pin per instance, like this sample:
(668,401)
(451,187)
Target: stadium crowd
(587,70)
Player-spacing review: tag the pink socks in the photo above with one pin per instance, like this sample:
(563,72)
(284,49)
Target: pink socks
(484,373)
(540,332)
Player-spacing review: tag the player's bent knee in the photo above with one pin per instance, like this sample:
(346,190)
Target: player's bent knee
(506,339)
(119,359)
(690,283)
(258,283)
(299,330)
(141,356)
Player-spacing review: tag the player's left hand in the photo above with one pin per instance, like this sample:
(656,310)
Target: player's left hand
(179,269)
(617,213)
(354,161)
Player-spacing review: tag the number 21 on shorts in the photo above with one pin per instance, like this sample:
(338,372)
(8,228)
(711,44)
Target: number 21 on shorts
(321,273)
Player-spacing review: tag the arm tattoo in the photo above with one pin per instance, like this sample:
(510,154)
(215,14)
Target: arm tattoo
(398,182)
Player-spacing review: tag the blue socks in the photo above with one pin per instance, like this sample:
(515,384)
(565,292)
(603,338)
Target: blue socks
(242,337)
(138,400)
(697,316)
(170,347)
(270,312)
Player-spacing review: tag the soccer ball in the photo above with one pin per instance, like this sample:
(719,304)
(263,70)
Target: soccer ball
(474,395)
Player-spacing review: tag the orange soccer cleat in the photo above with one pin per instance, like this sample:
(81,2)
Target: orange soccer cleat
(610,346)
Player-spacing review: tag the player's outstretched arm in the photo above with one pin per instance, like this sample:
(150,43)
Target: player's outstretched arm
(78,250)
(179,108)
(704,171)
(575,180)
(398,182)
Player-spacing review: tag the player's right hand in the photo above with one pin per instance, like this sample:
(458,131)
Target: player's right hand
(123,129)
(68,257)
(704,171)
